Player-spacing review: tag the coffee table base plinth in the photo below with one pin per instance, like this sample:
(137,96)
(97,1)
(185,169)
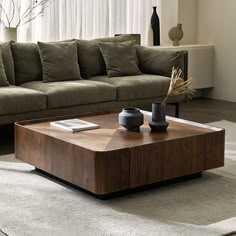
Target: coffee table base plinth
(126,191)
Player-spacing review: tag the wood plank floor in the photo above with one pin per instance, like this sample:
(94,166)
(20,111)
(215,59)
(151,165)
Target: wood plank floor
(208,110)
(200,110)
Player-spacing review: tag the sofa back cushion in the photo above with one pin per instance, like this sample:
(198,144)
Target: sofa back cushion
(158,61)
(27,62)
(3,77)
(59,61)
(8,62)
(90,58)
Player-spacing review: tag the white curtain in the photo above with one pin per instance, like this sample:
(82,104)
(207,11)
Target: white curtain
(88,19)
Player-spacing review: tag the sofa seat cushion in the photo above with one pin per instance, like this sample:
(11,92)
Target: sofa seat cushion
(138,86)
(14,100)
(72,93)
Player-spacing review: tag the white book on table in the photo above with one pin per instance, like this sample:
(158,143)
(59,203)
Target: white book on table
(74,125)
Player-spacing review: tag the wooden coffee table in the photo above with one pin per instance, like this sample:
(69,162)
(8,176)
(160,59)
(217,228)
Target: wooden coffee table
(111,159)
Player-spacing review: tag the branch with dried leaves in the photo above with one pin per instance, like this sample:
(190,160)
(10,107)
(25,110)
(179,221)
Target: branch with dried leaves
(35,9)
(178,86)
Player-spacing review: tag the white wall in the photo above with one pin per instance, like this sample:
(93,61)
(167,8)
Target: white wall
(187,15)
(216,25)
(179,11)
(207,22)
(169,18)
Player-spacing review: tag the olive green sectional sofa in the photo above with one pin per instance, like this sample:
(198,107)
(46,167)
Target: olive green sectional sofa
(26,94)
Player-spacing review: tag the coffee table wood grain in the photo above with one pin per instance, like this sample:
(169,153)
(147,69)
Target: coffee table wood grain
(111,159)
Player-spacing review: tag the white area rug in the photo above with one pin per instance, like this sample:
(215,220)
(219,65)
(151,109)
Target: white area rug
(33,205)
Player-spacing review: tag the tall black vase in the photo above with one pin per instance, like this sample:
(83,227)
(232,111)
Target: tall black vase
(155,23)
(158,122)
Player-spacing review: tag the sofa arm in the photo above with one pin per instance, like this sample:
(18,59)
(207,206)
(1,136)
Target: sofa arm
(161,61)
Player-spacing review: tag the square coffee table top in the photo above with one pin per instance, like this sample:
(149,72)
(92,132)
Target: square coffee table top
(111,136)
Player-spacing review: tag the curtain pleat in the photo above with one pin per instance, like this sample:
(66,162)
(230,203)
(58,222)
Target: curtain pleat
(86,19)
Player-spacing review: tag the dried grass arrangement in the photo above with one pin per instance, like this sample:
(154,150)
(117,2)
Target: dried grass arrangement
(178,86)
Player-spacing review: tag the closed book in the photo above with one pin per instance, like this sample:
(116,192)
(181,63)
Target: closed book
(74,125)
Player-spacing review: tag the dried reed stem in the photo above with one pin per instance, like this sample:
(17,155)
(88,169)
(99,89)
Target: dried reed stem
(178,86)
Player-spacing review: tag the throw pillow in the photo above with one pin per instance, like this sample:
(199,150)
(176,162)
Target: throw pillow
(158,62)
(3,77)
(59,61)
(91,61)
(120,58)
(27,62)
(8,62)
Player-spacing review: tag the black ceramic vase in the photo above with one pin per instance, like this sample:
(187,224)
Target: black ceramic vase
(155,24)
(158,122)
(131,118)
